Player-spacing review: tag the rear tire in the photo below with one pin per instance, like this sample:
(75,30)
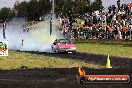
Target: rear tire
(53,50)
(57,51)
(74,52)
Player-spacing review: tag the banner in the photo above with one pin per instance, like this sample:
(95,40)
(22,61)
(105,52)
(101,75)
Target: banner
(3,48)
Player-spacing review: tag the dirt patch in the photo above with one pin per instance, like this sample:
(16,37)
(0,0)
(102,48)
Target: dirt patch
(55,78)
(65,77)
(116,62)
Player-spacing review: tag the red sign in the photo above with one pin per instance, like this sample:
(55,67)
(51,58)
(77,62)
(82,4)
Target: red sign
(107,78)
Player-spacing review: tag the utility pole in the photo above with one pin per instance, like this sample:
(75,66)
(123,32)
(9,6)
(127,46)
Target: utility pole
(4,28)
(22,42)
(53,8)
(52,16)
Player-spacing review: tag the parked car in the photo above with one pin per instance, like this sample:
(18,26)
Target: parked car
(63,45)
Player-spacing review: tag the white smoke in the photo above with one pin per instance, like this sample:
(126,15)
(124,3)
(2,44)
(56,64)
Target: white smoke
(36,39)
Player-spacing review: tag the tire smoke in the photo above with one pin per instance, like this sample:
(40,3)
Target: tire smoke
(36,39)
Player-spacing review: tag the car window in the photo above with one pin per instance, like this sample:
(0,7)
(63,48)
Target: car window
(66,41)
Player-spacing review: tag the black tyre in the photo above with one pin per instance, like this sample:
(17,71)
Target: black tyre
(57,51)
(74,52)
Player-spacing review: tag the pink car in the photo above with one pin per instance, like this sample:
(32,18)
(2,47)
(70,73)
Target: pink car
(63,45)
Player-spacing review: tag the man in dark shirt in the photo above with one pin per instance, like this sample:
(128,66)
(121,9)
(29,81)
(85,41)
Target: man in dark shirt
(114,9)
(110,9)
(118,4)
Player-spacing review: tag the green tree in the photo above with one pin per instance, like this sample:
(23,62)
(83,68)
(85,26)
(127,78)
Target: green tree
(6,14)
(97,5)
(37,8)
(68,7)
(81,6)
(34,9)
(44,7)
(21,9)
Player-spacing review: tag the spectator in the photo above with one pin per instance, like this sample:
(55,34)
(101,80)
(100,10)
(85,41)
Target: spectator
(123,31)
(86,21)
(118,4)
(110,9)
(113,8)
(103,19)
(108,25)
(95,19)
(129,9)
(123,23)
(130,21)
(126,9)
(130,29)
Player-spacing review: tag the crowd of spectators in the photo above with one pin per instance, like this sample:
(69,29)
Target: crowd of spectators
(116,23)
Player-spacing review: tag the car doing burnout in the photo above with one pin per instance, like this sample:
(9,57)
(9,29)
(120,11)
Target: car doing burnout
(63,45)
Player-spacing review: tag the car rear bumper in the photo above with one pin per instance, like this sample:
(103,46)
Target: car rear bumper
(67,50)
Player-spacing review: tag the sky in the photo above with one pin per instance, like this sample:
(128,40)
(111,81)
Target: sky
(106,3)
(8,3)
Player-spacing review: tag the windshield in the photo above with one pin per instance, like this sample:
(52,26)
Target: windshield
(64,41)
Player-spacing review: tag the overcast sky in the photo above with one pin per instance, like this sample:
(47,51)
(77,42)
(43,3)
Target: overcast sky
(8,3)
(106,3)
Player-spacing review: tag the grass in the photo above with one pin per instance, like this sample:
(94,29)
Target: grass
(122,50)
(17,60)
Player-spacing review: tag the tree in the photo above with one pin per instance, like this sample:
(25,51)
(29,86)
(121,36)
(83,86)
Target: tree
(97,5)
(81,6)
(21,9)
(68,7)
(44,7)
(6,14)
(33,10)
